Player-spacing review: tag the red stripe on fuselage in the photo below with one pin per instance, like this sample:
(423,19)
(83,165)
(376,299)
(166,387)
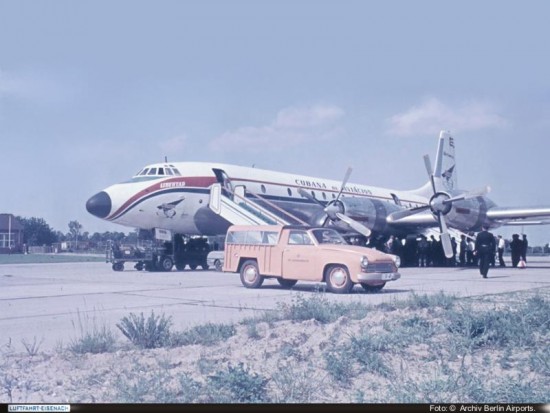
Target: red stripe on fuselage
(179,182)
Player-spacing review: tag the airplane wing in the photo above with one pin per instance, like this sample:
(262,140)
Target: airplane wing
(520,215)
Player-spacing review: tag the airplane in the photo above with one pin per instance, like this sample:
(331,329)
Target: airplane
(180,196)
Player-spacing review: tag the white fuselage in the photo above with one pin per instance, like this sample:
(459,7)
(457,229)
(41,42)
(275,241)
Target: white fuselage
(180,202)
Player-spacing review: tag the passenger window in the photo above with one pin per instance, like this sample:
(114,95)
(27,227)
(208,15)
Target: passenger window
(270,238)
(263,189)
(152,171)
(253,237)
(289,191)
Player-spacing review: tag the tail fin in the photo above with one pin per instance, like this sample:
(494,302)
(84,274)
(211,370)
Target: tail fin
(445,164)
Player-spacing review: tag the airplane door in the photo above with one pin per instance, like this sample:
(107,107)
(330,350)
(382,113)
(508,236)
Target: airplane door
(223,179)
(299,257)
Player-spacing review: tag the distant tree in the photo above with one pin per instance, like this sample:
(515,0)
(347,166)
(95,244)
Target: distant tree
(74,229)
(37,232)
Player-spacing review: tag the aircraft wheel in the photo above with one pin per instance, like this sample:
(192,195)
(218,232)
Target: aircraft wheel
(218,265)
(286,283)
(193,266)
(118,266)
(338,279)
(372,288)
(204,266)
(180,266)
(250,275)
(166,264)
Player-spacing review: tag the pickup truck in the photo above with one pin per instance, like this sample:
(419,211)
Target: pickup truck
(298,253)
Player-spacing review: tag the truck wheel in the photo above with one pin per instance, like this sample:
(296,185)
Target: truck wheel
(338,279)
(250,275)
(166,264)
(118,266)
(372,288)
(286,283)
(218,265)
(139,266)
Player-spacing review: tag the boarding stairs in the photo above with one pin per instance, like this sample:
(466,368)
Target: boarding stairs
(239,208)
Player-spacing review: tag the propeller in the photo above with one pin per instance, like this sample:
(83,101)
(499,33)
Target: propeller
(335,209)
(440,205)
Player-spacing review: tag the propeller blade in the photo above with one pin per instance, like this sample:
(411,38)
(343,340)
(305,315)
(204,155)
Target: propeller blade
(360,228)
(468,195)
(396,216)
(344,182)
(307,195)
(445,237)
(428,165)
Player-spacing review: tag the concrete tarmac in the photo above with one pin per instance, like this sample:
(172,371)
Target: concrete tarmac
(56,303)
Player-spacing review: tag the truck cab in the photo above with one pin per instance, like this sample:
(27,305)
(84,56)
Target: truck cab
(299,253)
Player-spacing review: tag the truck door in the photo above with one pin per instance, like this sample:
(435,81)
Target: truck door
(299,257)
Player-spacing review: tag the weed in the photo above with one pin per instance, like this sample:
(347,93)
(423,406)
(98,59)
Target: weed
(252,331)
(366,349)
(318,307)
(339,364)
(416,301)
(32,348)
(296,385)
(206,334)
(237,385)
(151,334)
(93,338)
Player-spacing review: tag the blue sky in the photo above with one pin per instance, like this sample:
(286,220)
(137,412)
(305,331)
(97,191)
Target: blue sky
(90,91)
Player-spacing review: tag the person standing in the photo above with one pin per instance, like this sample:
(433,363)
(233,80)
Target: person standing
(524,245)
(484,247)
(515,248)
(463,247)
(500,247)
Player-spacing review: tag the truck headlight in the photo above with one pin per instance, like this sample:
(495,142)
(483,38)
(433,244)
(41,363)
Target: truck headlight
(396,260)
(364,262)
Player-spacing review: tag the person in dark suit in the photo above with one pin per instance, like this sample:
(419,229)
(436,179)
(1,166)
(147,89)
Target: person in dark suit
(524,245)
(515,248)
(485,247)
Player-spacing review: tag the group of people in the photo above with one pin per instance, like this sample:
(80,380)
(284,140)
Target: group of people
(481,251)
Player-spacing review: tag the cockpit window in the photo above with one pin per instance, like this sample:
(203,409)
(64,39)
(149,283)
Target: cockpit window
(169,171)
(176,172)
(161,171)
(152,171)
(144,172)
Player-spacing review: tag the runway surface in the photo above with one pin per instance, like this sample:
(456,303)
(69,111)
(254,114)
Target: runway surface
(55,302)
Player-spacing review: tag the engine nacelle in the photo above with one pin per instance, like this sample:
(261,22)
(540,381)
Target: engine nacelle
(371,213)
(469,213)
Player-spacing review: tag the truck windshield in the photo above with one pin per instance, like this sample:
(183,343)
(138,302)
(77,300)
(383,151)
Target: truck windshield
(328,236)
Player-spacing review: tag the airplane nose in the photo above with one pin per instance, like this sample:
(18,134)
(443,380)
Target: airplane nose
(99,205)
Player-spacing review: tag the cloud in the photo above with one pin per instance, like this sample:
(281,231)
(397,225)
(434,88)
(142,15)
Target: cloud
(174,146)
(35,87)
(291,127)
(433,115)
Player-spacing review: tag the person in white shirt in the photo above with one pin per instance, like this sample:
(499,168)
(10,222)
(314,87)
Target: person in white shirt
(500,247)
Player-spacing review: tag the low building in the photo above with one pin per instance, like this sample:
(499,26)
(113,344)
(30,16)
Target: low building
(11,234)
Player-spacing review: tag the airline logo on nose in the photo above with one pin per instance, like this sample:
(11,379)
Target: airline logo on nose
(177,184)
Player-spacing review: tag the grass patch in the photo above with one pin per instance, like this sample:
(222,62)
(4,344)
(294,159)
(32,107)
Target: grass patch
(206,334)
(47,258)
(92,338)
(153,333)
